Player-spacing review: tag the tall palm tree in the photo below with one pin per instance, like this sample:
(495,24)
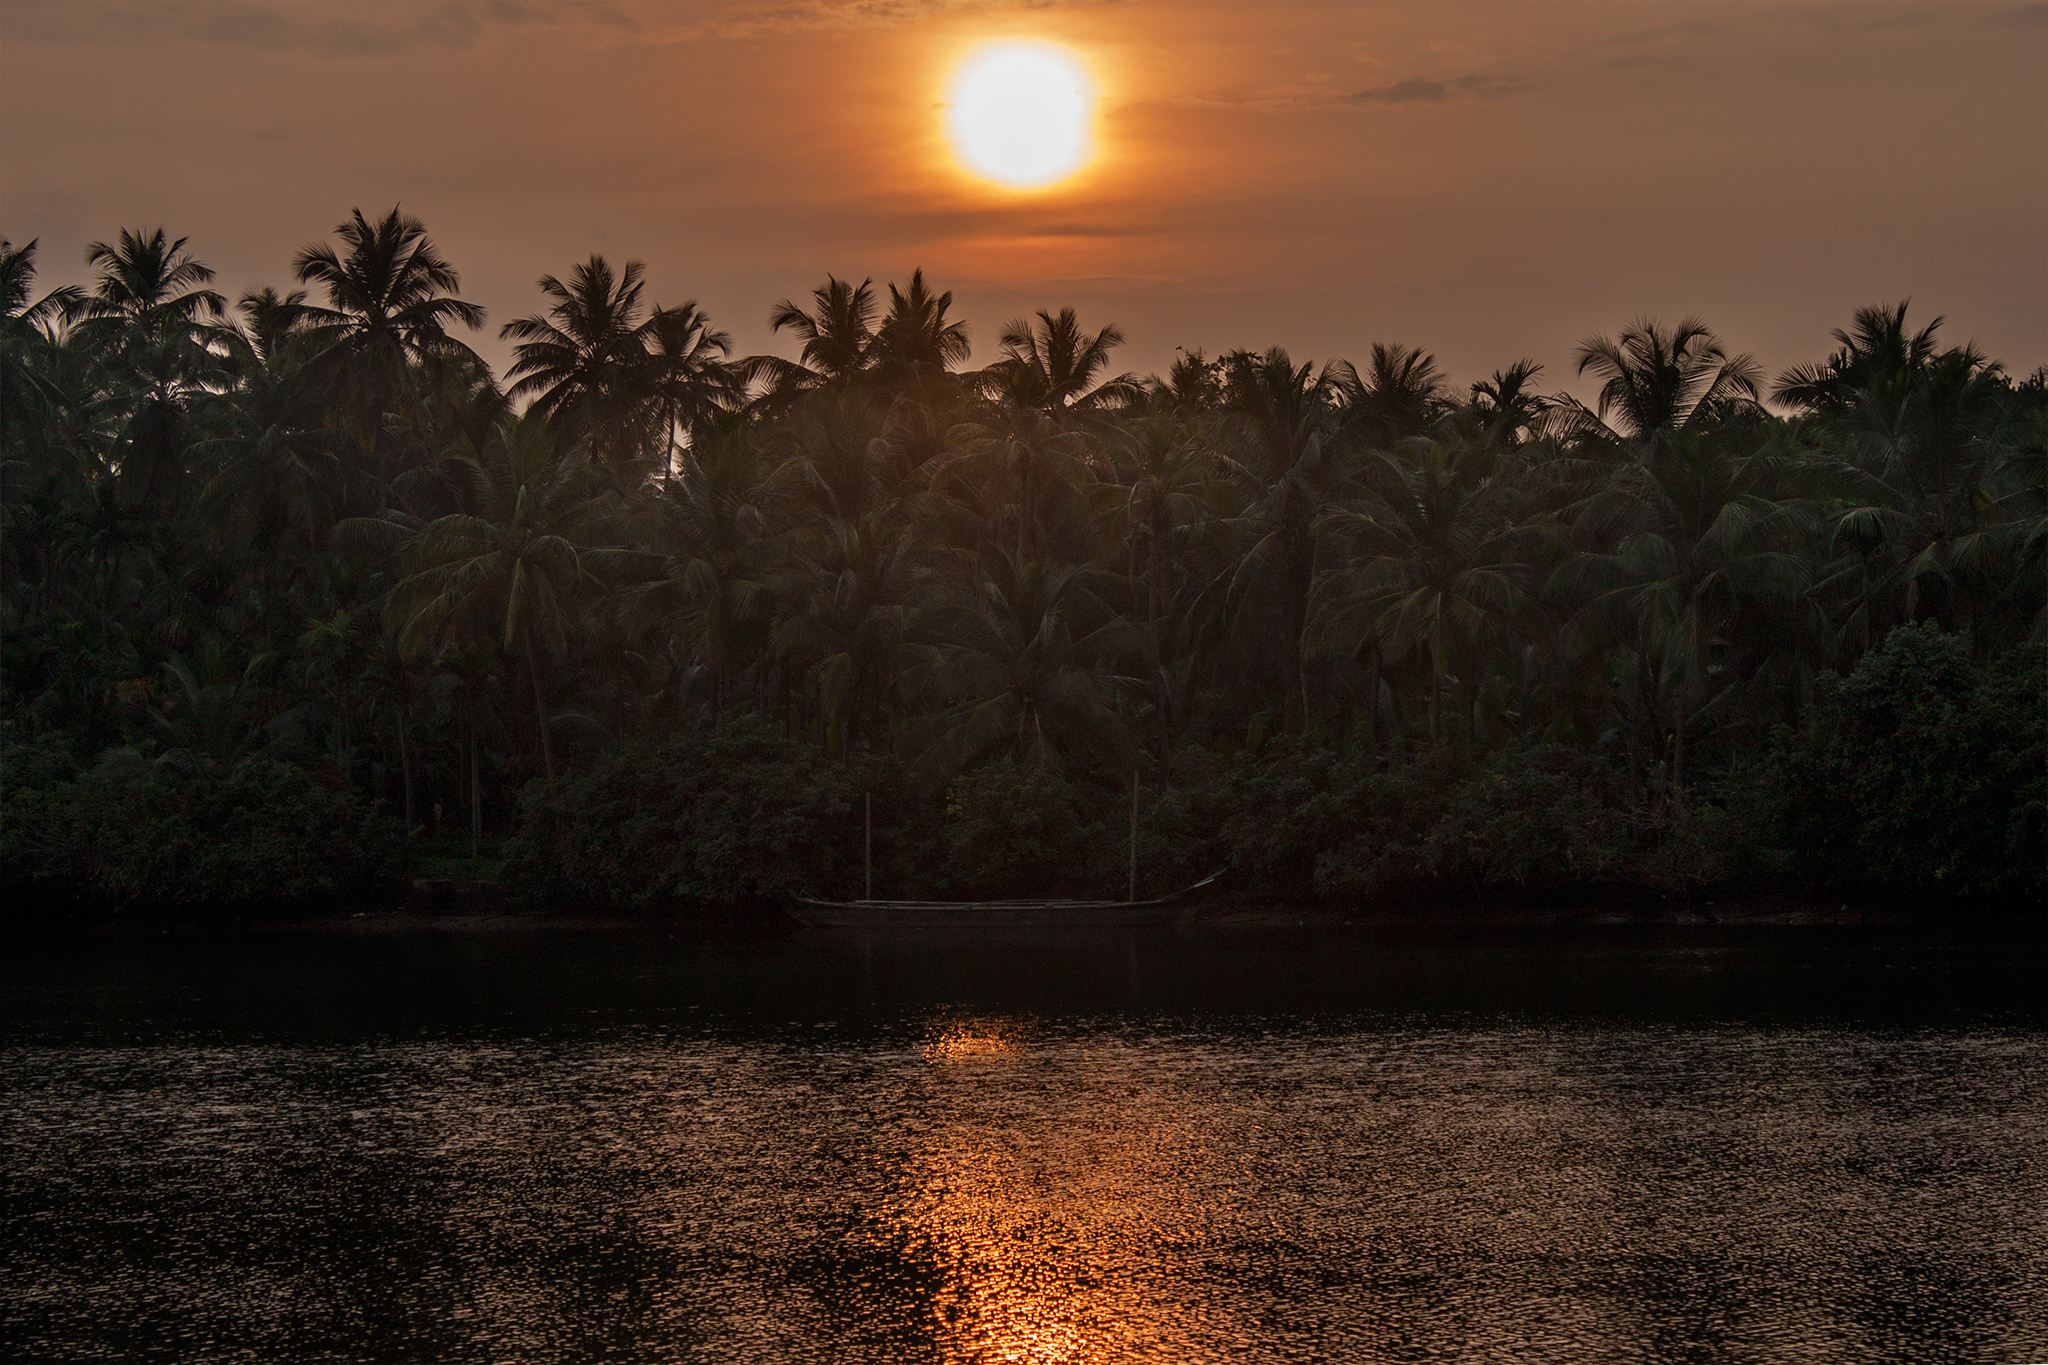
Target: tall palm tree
(852,610)
(1653,380)
(1400,396)
(1704,551)
(836,334)
(1051,363)
(1018,452)
(1507,407)
(510,566)
(915,335)
(586,365)
(144,320)
(693,380)
(1932,521)
(391,299)
(1026,672)
(1438,562)
(27,340)
(1281,448)
(1875,351)
(700,555)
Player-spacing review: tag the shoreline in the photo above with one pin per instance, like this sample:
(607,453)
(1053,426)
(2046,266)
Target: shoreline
(418,915)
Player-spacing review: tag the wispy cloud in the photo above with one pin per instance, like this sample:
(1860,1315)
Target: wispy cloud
(1423,90)
(2022,17)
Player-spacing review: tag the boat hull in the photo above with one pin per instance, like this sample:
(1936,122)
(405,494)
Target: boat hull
(935,916)
(823,914)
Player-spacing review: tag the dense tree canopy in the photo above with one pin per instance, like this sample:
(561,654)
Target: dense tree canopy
(325,536)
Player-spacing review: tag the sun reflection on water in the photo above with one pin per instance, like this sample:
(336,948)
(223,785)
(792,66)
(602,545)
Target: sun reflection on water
(1042,1248)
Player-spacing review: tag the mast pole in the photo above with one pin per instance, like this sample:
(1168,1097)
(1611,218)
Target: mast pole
(868,852)
(1134,836)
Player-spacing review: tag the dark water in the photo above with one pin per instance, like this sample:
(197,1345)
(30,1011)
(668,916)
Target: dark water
(1618,1144)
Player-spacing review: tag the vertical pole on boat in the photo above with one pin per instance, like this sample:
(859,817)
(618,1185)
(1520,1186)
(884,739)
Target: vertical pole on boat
(867,857)
(1134,835)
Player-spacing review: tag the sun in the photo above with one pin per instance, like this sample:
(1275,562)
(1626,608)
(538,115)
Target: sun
(1022,114)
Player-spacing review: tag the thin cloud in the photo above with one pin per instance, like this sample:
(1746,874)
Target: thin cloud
(1422,90)
(2026,17)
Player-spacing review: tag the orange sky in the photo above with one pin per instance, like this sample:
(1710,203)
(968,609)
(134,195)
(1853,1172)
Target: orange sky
(1483,180)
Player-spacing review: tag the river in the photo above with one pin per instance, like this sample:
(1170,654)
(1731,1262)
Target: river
(1618,1143)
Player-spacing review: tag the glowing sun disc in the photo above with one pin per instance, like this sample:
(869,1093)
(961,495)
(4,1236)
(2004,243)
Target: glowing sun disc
(1020,114)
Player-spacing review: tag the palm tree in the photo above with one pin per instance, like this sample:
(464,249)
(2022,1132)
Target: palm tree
(1438,562)
(1400,396)
(852,610)
(390,301)
(272,467)
(693,381)
(1281,449)
(1656,380)
(915,335)
(511,565)
(1704,552)
(1025,672)
(836,335)
(27,338)
(1506,406)
(1054,365)
(1875,352)
(700,555)
(586,365)
(143,318)
(1017,451)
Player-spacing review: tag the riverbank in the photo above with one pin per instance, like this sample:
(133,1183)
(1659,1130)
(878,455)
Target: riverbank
(479,911)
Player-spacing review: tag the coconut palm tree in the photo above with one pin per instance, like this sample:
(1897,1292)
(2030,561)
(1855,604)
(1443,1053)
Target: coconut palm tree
(852,609)
(1437,563)
(391,299)
(1875,351)
(1704,551)
(28,339)
(700,555)
(510,566)
(1281,447)
(1026,672)
(1400,396)
(1657,380)
(1019,454)
(915,336)
(836,335)
(585,366)
(692,378)
(1052,364)
(144,322)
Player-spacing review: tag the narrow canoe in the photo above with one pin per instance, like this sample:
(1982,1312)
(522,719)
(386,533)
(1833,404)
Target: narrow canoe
(825,914)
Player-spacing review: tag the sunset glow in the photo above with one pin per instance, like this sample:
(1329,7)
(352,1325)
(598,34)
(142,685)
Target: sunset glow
(1020,114)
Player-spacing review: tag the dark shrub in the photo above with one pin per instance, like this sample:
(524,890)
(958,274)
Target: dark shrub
(713,817)
(136,834)
(1921,772)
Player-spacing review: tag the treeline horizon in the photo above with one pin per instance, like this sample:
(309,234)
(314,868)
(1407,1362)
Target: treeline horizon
(307,554)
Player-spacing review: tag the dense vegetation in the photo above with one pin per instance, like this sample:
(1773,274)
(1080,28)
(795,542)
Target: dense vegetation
(297,592)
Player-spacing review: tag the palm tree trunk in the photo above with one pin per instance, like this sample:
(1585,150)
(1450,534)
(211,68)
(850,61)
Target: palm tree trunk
(405,767)
(1372,702)
(476,797)
(1678,759)
(540,711)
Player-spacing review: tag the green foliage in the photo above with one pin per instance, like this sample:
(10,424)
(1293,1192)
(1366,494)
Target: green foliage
(716,817)
(133,834)
(1543,816)
(1922,772)
(1364,635)
(1022,831)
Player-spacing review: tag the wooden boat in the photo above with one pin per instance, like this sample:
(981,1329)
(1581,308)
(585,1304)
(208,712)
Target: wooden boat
(867,914)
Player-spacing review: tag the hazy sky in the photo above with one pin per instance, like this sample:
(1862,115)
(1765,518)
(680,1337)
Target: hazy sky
(1485,180)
